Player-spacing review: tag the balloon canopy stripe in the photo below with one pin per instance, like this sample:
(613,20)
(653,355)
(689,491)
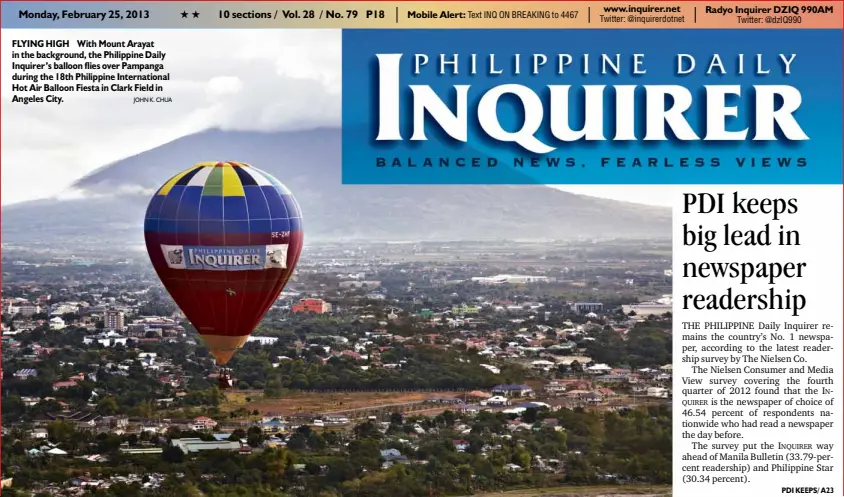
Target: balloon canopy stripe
(221,179)
(223,202)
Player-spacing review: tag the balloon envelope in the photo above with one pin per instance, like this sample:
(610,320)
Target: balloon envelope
(224,237)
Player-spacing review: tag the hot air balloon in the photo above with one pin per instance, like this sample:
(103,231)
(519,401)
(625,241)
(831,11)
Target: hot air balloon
(224,238)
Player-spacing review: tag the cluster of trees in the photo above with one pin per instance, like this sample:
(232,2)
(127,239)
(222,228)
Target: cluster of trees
(634,445)
(647,344)
(421,367)
(127,390)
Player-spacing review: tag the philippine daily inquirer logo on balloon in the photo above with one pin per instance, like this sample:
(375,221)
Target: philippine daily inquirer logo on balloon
(226,258)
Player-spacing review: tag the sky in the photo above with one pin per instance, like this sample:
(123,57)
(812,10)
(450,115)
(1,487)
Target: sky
(245,80)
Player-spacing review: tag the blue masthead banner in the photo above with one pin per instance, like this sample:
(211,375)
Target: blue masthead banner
(592,107)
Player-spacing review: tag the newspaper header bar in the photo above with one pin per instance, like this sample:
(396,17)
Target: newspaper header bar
(422,15)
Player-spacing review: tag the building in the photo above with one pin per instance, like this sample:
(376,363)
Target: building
(593,398)
(203,423)
(317,306)
(657,392)
(271,417)
(460,445)
(598,369)
(542,365)
(274,426)
(159,325)
(108,339)
(465,309)
(426,313)
(646,309)
(512,390)
(559,348)
(114,320)
(586,307)
(359,284)
(262,340)
(189,445)
(23,374)
(138,330)
(118,422)
(513,279)
(335,420)
(496,401)
(83,420)
(24,309)
(555,388)
(132,451)
(492,369)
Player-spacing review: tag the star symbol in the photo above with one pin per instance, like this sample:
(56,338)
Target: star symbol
(195,14)
(184,15)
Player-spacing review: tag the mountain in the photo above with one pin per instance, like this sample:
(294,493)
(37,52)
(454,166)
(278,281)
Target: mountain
(112,200)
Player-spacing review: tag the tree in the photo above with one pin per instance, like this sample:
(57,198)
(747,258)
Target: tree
(366,453)
(13,408)
(255,436)
(297,441)
(172,454)
(237,434)
(530,415)
(107,406)
(521,457)
(61,431)
(273,389)
(367,430)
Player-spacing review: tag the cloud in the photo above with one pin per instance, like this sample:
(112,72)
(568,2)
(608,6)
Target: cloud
(241,80)
(657,195)
(224,85)
(121,191)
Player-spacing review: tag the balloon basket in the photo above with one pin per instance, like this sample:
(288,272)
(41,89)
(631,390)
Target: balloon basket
(225,380)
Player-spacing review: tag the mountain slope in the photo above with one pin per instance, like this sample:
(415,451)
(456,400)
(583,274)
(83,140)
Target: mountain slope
(114,198)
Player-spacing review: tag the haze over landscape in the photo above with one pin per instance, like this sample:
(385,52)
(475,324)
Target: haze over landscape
(111,200)
(271,98)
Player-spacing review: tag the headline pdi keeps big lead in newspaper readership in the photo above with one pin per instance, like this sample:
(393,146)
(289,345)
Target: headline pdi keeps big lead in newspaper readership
(363,249)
